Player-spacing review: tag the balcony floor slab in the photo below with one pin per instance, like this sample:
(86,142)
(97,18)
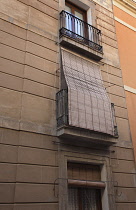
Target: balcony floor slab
(77,47)
(76,134)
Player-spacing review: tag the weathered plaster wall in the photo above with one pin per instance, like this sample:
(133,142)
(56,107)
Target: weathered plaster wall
(29,82)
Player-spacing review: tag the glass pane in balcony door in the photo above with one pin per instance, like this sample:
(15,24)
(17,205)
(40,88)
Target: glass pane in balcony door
(67,9)
(68,18)
(79,24)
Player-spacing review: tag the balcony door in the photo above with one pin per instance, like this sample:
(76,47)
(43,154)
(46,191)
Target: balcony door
(75,18)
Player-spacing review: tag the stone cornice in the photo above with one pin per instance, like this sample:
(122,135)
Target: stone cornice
(129,4)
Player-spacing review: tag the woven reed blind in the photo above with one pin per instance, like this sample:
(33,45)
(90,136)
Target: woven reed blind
(88,103)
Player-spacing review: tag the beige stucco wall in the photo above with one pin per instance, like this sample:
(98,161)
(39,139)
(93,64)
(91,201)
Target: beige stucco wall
(29,66)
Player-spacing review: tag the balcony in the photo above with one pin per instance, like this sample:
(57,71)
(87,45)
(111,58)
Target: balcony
(80,36)
(66,131)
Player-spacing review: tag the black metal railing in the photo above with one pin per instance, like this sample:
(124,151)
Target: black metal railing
(114,120)
(80,31)
(62,110)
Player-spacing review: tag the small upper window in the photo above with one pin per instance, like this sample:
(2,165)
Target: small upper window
(75,18)
(73,24)
(79,13)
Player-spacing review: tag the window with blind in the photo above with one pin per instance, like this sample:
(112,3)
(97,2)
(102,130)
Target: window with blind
(84,187)
(89,106)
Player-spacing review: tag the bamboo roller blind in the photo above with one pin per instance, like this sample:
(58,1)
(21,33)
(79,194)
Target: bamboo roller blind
(88,103)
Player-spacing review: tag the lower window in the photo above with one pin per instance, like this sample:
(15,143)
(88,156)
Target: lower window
(84,187)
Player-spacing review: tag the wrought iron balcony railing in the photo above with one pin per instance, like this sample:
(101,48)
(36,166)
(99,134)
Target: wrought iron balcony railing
(84,33)
(62,111)
(62,108)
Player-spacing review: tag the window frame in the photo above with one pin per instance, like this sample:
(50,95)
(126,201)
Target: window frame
(79,180)
(74,9)
(78,9)
(89,7)
(63,177)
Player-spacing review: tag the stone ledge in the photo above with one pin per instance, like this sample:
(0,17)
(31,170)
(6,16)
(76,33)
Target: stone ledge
(76,134)
(84,50)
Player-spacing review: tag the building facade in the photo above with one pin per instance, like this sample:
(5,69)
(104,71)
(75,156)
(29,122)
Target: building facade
(125,22)
(65,138)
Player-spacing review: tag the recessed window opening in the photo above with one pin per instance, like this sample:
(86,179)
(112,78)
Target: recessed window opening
(84,187)
(73,24)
